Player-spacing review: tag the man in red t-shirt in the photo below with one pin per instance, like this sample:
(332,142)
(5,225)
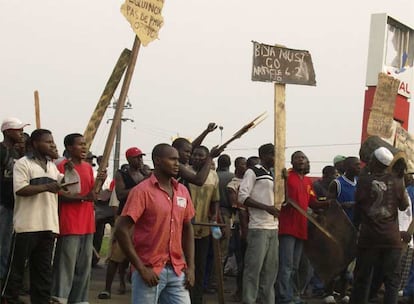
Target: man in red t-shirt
(73,256)
(162,253)
(293,227)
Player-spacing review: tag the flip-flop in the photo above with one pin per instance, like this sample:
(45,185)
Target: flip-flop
(104,295)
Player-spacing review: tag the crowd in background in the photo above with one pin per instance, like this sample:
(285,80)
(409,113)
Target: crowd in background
(53,219)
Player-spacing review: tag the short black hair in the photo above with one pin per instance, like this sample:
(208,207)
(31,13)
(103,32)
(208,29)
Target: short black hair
(159,150)
(328,170)
(224,161)
(37,134)
(349,161)
(252,161)
(204,148)
(266,149)
(179,142)
(238,160)
(294,153)
(70,139)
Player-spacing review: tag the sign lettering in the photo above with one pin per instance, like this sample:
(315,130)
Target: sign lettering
(145,18)
(282,65)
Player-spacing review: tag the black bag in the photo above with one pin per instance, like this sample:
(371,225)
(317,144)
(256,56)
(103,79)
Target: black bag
(103,211)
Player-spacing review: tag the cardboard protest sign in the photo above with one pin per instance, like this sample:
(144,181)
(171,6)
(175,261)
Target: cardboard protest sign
(405,142)
(381,118)
(145,18)
(282,65)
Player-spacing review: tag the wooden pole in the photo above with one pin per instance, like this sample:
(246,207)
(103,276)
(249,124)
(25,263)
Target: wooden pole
(37,109)
(219,270)
(118,112)
(280,144)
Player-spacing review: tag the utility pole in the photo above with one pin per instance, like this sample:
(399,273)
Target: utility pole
(117,151)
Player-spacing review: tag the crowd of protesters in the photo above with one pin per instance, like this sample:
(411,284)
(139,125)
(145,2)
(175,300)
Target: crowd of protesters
(53,221)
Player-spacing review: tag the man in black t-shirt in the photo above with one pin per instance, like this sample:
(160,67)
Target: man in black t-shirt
(378,197)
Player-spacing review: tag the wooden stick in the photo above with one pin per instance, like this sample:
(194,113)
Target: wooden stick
(209,224)
(219,270)
(311,219)
(37,109)
(244,130)
(280,144)
(106,97)
(118,112)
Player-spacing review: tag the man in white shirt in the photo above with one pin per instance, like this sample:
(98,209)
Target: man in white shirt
(36,182)
(261,259)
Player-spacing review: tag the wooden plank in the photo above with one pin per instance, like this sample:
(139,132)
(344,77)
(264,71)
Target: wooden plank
(280,143)
(118,113)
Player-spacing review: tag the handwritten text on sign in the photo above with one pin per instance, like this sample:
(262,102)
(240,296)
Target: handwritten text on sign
(282,65)
(145,18)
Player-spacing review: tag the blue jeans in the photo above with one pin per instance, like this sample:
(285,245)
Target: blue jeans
(260,266)
(6,235)
(72,268)
(290,252)
(170,289)
(409,287)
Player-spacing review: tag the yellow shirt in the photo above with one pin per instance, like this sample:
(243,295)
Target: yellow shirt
(202,196)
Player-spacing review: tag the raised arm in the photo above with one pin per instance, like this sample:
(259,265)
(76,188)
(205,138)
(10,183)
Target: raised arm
(197,142)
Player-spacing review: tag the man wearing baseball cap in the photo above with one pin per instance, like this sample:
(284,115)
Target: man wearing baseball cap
(378,198)
(12,129)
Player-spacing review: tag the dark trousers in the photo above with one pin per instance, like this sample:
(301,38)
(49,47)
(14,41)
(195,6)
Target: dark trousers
(99,234)
(200,259)
(36,248)
(367,260)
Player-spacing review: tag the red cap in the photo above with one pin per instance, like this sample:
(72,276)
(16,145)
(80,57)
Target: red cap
(133,152)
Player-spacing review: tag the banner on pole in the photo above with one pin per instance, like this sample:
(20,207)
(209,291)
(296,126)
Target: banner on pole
(145,18)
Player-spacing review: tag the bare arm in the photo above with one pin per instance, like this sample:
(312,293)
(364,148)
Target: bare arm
(197,142)
(122,229)
(121,192)
(188,249)
(31,190)
(249,202)
(332,191)
(198,178)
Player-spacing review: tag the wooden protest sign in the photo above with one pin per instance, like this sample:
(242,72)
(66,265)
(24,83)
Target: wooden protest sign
(282,65)
(405,142)
(145,18)
(106,97)
(381,118)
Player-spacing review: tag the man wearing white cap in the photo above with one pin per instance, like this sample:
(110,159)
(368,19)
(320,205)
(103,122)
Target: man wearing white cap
(12,129)
(379,196)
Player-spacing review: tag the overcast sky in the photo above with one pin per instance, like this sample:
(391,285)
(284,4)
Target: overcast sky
(198,71)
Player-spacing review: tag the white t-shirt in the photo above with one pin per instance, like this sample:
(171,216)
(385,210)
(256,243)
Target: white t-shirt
(38,212)
(260,189)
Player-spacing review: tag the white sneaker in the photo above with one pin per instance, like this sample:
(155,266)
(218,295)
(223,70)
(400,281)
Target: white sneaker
(329,300)
(345,300)
(400,293)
